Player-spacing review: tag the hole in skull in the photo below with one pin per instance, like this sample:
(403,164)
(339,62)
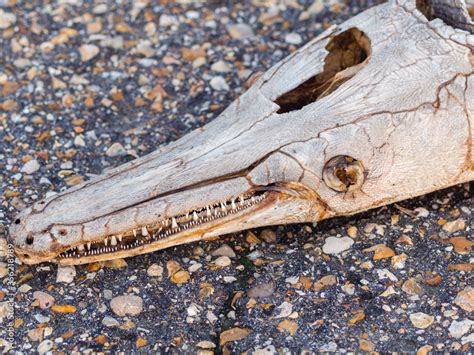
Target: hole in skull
(348,53)
(29,240)
(17,221)
(62,232)
(452,13)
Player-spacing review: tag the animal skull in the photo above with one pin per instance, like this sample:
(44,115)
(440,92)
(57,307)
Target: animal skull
(373,111)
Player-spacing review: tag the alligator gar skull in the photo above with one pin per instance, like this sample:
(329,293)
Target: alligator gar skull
(373,111)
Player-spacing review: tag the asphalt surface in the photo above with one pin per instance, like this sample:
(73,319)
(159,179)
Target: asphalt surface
(402,285)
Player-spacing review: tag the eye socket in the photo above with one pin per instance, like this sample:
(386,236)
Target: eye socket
(17,221)
(29,240)
(62,232)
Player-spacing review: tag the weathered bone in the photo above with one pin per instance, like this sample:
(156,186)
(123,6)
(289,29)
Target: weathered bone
(373,111)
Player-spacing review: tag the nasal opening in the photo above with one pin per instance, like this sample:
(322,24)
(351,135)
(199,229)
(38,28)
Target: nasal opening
(348,52)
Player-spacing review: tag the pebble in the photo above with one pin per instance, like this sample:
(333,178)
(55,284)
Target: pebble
(465,299)
(240,31)
(421,320)
(218,83)
(411,287)
(168,21)
(41,319)
(334,245)
(268,236)
(126,305)
(286,309)
(262,290)
(222,261)
(44,346)
(65,274)
(116,150)
(44,299)
(7,19)
(224,250)
(458,328)
(110,322)
(3,247)
(220,67)
(155,270)
(30,167)
(88,51)
(293,38)
(194,267)
(454,226)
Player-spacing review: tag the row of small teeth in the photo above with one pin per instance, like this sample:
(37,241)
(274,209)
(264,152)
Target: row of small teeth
(167,228)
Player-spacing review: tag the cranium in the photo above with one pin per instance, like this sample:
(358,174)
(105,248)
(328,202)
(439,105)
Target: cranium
(373,111)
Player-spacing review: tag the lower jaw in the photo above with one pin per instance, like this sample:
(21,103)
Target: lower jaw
(289,203)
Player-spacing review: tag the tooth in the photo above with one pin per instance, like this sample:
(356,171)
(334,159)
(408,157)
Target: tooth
(119,237)
(232,204)
(253,199)
(80,247)
(241,200)
(187,216)
(174,224)
(89,245)
(167,222)
(144,231)
(106,241)
(195,216)
(223,207)
(134,233)
(208,211)
(113,241)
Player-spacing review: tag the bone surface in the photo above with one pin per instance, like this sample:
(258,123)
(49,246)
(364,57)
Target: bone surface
(388,95)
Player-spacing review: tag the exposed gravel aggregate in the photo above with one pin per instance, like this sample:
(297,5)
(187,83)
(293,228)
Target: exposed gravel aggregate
(88,85)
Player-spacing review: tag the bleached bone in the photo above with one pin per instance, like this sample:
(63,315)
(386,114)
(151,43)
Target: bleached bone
(373,111)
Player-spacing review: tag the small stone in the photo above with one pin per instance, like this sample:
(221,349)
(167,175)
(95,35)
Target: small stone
(110,322)
(424,350)
(352,232)
(88,51)
(224,250)
(381,251)
(116,150)
(3,247)
(206,344)
(240,31)
(465,299)
(366,345)
(220,67)
(293,38)
(44,346)
(458,328)
(44,299)
(155,270)
(41,319)
(218,83)
(398,261)
(454,226)
(288,326)
(65,274)
(286,309)
(334,245)
(64,308)
(324,282)
(36,334)
(168,21)
(411,287)
(262,290)
(233,334)
(30,167)
(268,236)
(126,305)
(421,320)
(194,267)
(7,19)
(222,261)
(181,277)
(461,245)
